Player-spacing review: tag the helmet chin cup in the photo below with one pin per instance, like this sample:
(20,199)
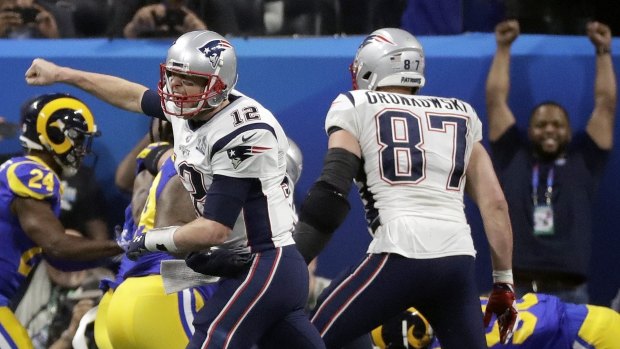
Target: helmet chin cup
(216,100)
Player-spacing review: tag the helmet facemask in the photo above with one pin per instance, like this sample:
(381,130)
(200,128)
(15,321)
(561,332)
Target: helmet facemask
(75,135)
(187,106)
(204,54)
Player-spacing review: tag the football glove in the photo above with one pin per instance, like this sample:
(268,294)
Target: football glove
(122,237)
(502,303)
(136,247)
(219,262)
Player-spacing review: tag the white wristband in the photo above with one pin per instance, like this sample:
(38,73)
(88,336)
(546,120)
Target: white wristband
(504,276)
(161,239)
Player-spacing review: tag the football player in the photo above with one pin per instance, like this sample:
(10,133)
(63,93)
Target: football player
(130,315)
(57,131)
(230,153)
(545,321)
(412,157)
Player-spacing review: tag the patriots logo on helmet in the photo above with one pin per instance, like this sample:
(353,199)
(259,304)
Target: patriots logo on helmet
(376,38)
(242,152)
(213,50)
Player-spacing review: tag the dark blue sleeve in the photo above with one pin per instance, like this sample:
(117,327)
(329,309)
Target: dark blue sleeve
(226,197)
(151,105)
(595,158)
(506,147)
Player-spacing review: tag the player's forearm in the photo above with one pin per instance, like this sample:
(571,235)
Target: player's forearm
(500,244)
(119,92)
(200,234)
(81,249)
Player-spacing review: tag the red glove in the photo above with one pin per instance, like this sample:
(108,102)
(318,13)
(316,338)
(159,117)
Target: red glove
(502,303)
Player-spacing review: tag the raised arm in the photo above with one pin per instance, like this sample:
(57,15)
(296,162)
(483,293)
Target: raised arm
(119,92)
(126,169)
(601,124)
(498,82)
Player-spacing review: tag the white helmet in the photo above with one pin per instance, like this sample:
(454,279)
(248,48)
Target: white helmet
(294,161)
(388,57)
(200,53)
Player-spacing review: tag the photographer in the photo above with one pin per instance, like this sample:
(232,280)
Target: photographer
(170,18)
(26,19)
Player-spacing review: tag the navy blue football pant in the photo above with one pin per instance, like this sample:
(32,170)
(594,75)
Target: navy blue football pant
(263,306)
(384,285)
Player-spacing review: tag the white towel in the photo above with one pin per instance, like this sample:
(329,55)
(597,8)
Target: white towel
(178,276)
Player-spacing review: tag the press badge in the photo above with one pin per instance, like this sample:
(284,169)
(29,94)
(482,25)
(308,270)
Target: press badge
(543,220)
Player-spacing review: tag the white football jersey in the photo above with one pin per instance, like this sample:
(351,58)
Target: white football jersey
(242,140)
(415,150)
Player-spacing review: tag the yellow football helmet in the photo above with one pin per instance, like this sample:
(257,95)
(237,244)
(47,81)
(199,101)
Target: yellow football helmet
(409,330)
(60,124)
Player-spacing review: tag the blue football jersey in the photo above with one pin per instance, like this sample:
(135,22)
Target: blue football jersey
(26,177)
(546,322)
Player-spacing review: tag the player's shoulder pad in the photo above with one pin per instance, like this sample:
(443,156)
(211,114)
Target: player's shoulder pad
(28,177)
(144,153)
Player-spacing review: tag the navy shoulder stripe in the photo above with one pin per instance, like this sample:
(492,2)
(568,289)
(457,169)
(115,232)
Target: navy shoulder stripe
(350,97)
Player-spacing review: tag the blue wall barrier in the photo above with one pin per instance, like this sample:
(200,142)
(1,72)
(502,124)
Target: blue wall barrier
(298,78)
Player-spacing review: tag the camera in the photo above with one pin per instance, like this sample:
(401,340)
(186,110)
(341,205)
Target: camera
(28,14)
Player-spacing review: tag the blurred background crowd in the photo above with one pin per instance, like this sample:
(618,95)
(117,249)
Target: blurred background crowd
(167,18)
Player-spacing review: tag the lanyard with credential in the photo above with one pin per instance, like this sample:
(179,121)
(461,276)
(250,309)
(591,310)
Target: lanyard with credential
(535,181)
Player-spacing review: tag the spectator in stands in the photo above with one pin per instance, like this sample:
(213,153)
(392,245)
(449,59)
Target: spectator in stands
(169,18)
(550,177)
(233,17)
(91,18)
(21,19)
(79,18)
